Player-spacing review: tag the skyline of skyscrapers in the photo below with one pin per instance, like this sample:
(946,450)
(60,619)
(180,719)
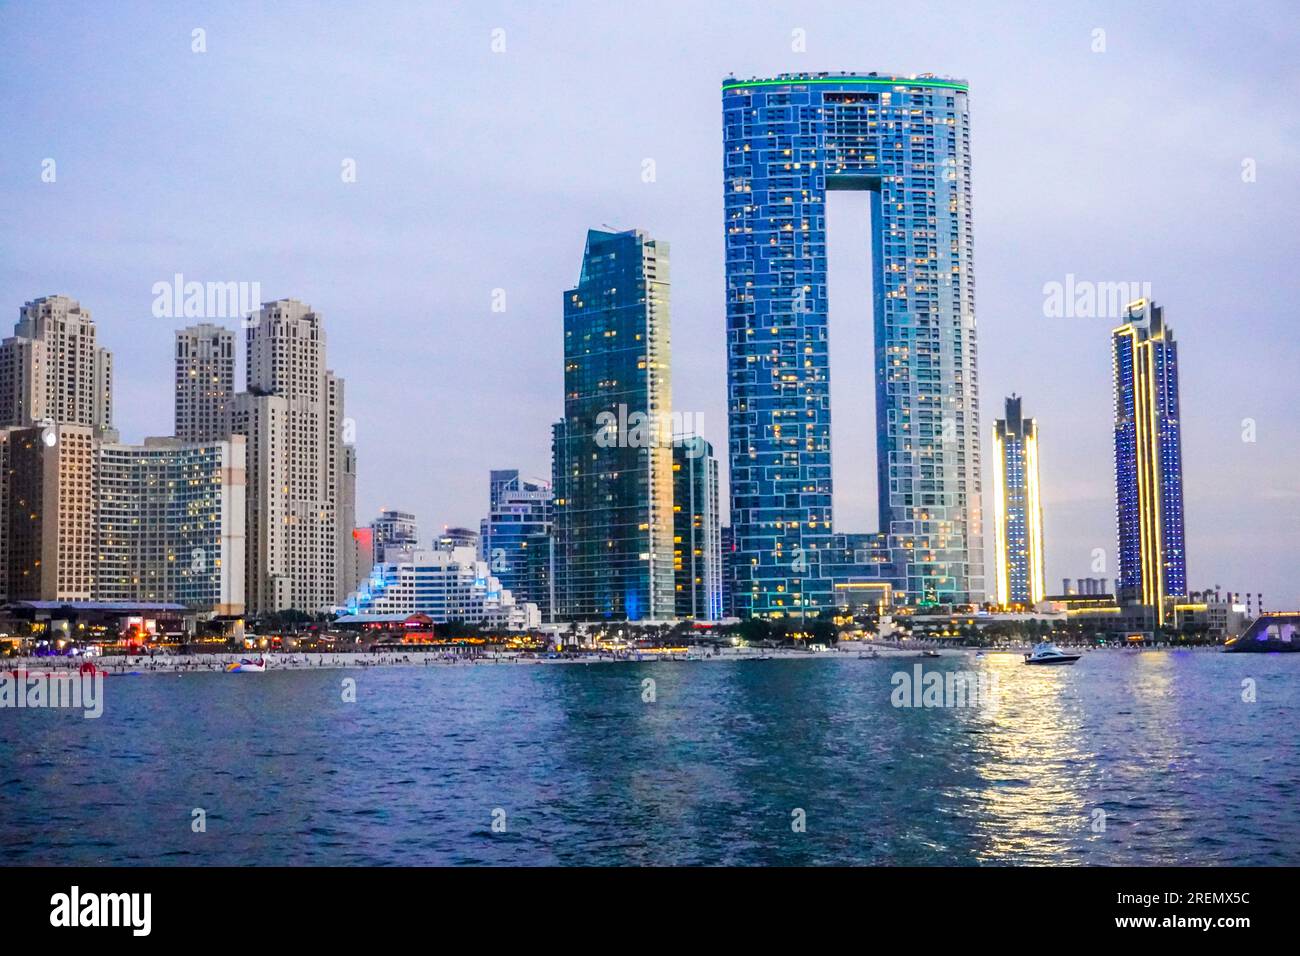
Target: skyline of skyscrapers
(1148,461)
(630,528)
(37,469)
(1017,509)
(788,142)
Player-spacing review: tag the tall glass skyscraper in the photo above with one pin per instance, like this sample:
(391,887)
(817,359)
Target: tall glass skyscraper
(788,141)
(613,468)
(1148,461)
(1017,509)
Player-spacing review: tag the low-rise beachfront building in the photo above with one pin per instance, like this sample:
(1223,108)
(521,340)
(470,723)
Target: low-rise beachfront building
(447,585)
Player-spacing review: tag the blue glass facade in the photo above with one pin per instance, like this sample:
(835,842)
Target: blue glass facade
(519,511)
(1148,461)
(612,471)
(906,140)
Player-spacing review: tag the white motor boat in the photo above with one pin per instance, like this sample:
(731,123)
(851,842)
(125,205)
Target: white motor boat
(1049,653)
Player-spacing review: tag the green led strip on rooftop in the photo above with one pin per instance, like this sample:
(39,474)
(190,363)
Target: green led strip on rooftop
(866,80)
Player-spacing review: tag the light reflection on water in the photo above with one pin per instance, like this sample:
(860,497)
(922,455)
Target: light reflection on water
(1033,762)
(712,772)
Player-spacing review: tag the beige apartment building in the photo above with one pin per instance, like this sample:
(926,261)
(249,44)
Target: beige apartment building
(53,370)
(51,513)
(205,382)
(291,414)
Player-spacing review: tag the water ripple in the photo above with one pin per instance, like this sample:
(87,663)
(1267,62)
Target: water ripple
(1123,759)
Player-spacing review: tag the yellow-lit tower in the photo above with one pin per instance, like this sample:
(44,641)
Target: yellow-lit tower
(1148,462)
(1017,509)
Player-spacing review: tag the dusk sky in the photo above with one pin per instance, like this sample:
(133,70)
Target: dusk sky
(1170,157)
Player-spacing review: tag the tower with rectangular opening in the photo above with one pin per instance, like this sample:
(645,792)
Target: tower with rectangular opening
(787,141)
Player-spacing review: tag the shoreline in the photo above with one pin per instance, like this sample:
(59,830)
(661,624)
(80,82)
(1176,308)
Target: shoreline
(328,660)
(302,660)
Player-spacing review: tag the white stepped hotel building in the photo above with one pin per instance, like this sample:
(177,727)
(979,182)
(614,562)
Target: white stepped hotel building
(447,585)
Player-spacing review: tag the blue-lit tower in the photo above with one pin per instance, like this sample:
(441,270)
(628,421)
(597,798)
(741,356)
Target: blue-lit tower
(905,140)
(519,517)
(1148,461)
(613,464)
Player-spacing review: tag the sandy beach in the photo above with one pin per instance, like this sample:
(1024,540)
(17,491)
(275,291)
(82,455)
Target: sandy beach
(216,663)
(296,660)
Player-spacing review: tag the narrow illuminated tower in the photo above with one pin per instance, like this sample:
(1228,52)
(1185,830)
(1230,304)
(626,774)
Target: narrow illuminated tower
(697,531)
(1018,512)
(1148,461)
